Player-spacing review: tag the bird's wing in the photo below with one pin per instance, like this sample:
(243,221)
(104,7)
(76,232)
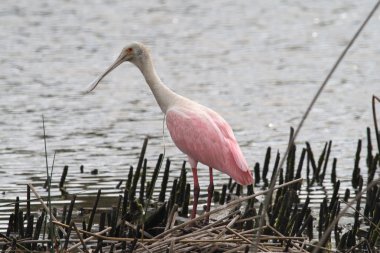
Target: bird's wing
(206,137)
(229,137)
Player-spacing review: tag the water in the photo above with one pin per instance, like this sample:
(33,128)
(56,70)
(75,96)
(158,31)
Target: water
(258,63)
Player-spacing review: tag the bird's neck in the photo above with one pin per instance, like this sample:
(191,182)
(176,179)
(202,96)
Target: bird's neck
(164,96)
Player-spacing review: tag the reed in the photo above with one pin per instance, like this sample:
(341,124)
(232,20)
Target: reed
(288,215)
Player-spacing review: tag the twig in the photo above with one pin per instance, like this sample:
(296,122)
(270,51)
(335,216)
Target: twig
(281,238)
(171,248)
(9,240)
(79,236)
(230,224)
(374,99)
(45,207)
(142,245)
(239,235)
(135,228)
(48,178)
(109,238)
(88,239)
(281,235)
(169,223)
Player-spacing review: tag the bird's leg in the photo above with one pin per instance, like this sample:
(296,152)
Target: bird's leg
(196,192)
(210,191)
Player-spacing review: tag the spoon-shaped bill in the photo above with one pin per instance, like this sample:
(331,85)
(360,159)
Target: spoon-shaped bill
(95,83)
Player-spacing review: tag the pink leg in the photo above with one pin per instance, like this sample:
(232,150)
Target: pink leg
(196,192)
(210,191)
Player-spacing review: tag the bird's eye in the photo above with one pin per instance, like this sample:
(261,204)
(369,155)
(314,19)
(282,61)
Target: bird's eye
(129,50)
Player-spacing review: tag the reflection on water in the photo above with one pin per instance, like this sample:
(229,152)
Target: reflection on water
(255,62)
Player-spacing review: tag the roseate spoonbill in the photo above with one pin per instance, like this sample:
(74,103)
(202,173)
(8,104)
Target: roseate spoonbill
(199,132)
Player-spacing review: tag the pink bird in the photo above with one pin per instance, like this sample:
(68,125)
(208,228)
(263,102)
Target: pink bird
(199,132)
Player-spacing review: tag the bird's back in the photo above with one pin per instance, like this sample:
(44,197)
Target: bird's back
(206,137)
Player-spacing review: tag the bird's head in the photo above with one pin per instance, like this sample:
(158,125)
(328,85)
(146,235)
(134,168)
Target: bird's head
(136,53)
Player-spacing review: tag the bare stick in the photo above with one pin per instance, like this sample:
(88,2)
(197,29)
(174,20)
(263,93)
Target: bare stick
(45,206)
(48,178)
(79,236)
(121,239)
(142,245)
(239,235)
(316,96)
(374,99)
(232,222)
(8,240)
(89,239)
(171,217)
(135,228)
(277,232)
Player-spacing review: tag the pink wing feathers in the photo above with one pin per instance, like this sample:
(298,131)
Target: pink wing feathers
(206,137)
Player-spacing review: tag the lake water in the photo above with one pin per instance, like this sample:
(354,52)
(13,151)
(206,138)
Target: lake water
(258,63)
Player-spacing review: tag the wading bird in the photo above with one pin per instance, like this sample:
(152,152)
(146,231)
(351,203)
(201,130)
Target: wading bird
(199,132)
